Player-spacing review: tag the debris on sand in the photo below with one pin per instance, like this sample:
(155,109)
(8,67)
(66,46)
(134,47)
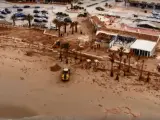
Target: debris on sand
(29,53)
(100,105)
(55,68)
(121,110)
(22,78)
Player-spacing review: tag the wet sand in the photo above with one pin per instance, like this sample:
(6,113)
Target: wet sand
(10,111)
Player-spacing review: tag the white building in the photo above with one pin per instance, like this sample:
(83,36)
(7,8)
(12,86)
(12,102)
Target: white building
(143,47)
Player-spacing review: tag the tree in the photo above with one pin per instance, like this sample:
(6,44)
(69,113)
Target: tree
(55,21)
(72,26)
(79,49)
(29,18)
(124,70)
(112,57)
(129,60)
(66,46)
(148,77)
(121,50)
(71,5)
(59,25)
(125,2)
(141,70)
(117,76)
(60,55)
(13,18)
(65,26)
(76,24)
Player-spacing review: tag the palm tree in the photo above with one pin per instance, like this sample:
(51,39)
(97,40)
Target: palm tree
(60,55)
(148,77)
(125,2)
(65,26)
(13,18)
(29,18)
(71,5)
(117,76)
(112,57)
(59,25)
(76,24)
(72,26)
(66,46)
(55,21)
(75,57)
(129,60)
(124,70)
(121,50)
(141,70)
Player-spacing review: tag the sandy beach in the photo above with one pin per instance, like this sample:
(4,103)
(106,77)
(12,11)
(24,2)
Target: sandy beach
(29,88)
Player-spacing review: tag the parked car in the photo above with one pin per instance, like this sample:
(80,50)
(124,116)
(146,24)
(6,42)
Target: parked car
(44,12)
(15,6)
(82,15)
(36,7)
(19,9)
(26,6)
(100,8)
(3,12)
(20,15)
(35,11)
(157,17)
(7,10)
(38,20)
(46,17)
(37,15)
(67,20)
(53,28)
(2,17)
(44,20)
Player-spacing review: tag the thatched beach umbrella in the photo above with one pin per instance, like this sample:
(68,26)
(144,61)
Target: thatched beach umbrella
(96,62)
(88,63)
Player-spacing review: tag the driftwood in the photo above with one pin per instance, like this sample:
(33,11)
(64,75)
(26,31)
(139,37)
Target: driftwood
(119,110)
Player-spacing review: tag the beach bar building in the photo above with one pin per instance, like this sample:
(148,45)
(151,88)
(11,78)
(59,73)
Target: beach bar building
(143,47)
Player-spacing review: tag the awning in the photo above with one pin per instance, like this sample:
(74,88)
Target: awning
(105,32)
(143,45)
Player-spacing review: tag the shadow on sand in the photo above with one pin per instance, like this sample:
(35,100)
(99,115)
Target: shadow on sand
(11,111)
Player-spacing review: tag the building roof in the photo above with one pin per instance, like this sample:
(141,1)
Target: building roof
(124,29)
(152,24)
(95,20)
(143,45)
(146,23)
(105,32)
(148,1)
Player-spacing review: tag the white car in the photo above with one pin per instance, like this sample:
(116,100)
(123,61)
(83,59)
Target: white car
(158,17)
(53,28)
